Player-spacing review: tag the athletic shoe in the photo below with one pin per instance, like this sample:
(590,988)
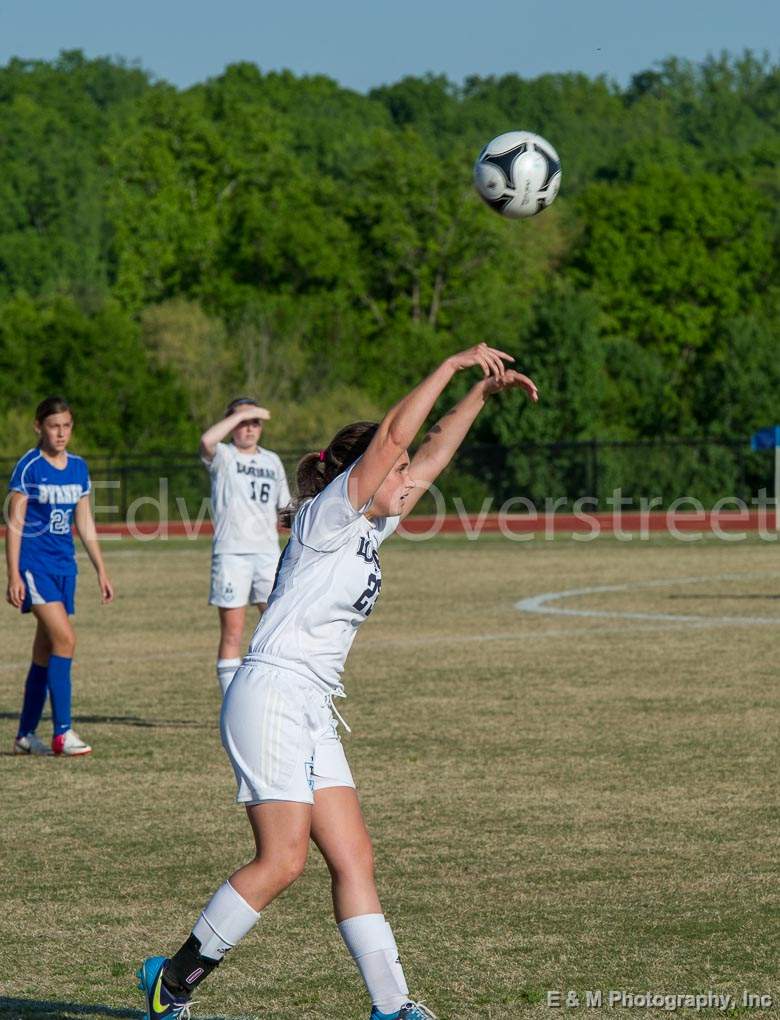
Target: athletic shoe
(159,1001)
(411,1011)
(31,744)
(70,744)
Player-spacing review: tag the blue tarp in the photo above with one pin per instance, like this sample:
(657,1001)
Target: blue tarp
(766,439)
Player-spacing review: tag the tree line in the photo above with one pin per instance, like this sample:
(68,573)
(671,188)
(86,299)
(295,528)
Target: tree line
(162,250)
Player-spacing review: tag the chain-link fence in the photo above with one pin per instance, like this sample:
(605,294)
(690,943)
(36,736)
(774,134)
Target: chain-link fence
(547,476)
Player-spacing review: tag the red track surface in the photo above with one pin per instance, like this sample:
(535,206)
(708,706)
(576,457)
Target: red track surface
(706,522)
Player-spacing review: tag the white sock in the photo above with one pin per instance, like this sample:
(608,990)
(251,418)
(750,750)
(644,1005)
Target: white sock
(225,920)
(395,963)
(226,670)
(369,939)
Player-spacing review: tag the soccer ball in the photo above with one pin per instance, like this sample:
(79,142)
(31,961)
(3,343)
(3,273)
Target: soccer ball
(518,174)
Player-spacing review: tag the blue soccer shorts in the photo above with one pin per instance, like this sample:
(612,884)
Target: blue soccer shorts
(42,588)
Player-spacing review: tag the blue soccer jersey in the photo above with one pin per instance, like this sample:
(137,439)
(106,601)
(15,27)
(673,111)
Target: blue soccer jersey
(52,494)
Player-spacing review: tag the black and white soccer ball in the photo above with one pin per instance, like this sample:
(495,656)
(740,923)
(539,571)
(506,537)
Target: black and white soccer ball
(518,174)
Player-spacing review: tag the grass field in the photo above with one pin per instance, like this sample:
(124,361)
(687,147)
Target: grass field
(557,802)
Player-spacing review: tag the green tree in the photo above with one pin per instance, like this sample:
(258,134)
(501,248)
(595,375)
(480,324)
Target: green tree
(121,401)
(670,257)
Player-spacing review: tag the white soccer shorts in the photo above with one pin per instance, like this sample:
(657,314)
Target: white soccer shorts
(281,736)
(240,579)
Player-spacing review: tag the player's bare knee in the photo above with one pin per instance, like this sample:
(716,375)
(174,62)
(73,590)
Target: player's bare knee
(364,856)
(294,869)
(286,867)
(63,643)
(356,861)
(288,870)
(41,647)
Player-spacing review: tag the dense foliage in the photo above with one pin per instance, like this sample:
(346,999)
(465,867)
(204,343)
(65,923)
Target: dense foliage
(161,250)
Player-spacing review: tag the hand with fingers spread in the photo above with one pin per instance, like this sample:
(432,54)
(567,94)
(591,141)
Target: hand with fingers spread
(511,380)
(489,359)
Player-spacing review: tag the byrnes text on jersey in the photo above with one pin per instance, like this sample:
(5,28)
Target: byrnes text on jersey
(52,495)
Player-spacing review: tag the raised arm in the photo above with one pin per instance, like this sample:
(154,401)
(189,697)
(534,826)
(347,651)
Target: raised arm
(442,441)
(401,424)
(221,430)
(17,511)
(85,525)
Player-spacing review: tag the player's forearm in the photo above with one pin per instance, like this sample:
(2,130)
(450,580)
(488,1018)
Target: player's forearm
(13,540)
(92,547)
(219,431)
(445,437)
(402,422)
(85,526)
(12,547)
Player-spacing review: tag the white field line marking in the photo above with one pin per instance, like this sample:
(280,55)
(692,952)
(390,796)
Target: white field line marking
(533,604)
(541,603)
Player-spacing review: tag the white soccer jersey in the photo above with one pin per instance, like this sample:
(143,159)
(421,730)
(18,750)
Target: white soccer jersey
(327,584)
(247,490)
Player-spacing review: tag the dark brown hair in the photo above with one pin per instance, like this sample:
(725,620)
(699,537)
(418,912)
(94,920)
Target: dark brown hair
(51,405)
(316,470)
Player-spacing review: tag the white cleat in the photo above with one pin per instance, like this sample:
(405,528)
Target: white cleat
(69,744)
(31,745)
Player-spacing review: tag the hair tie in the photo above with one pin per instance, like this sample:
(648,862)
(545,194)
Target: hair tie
(322,456)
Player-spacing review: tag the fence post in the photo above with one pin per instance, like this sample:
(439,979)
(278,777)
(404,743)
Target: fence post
(594,468)
(123,492)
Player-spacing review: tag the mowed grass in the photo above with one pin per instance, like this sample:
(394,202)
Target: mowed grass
(556,802)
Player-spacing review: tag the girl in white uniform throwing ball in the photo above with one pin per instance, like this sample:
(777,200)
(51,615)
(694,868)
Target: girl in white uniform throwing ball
(248,488)
(278,726)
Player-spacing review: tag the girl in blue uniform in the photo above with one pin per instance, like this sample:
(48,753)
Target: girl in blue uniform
(49,493)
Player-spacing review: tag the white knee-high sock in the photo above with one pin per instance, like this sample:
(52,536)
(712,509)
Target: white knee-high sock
(369,939)
(226,670)
(395,962)
(225,920)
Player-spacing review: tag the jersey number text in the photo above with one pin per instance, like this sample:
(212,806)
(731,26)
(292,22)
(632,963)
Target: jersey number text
(367,600)
(264,492)
(59,522)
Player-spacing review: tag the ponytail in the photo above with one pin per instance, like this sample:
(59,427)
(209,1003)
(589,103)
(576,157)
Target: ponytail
(317,470)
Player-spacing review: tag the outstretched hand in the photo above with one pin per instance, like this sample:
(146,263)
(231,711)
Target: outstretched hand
(512,380)
(489,359)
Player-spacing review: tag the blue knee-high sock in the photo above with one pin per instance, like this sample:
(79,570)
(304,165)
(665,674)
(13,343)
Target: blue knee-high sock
(59,689)
(34,699)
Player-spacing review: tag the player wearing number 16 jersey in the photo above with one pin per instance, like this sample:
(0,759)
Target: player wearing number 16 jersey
(279,724)
(248,488)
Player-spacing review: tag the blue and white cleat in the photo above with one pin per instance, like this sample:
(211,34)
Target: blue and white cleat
(410,1011)
(160,1003)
